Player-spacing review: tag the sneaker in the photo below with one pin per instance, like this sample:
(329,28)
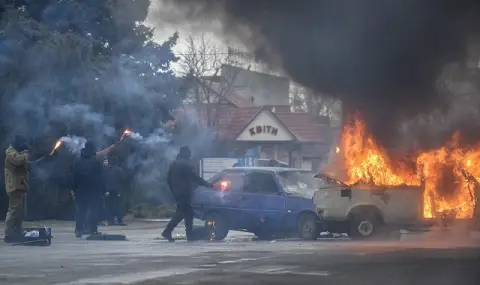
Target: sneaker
(168,236)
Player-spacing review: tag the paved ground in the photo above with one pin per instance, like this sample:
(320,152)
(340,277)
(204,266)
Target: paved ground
(433,258)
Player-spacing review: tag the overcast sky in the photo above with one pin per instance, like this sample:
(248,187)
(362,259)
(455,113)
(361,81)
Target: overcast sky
(163,30)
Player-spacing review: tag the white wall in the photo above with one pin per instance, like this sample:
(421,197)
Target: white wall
(265,120)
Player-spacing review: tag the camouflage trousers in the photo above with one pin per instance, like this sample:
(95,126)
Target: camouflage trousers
(15,214)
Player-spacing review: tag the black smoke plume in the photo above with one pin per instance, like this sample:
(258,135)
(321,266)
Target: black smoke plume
(380,57)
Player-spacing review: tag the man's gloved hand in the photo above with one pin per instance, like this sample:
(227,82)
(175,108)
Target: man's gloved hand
(73,194)
(107,194)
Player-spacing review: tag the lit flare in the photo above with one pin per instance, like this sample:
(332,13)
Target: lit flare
(127,132)
(57,145)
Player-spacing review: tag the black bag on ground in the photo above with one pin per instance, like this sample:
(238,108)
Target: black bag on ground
(36,237)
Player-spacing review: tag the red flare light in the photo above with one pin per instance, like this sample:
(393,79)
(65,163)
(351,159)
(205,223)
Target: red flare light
(127,132)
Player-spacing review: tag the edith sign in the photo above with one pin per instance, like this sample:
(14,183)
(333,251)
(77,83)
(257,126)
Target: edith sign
(265,129)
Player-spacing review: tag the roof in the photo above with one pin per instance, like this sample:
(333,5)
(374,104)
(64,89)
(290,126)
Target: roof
(305,127)
(232,120)
(269,169)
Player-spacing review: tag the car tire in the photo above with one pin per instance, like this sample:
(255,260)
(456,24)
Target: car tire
(363,225)
(308,228)
(217,226)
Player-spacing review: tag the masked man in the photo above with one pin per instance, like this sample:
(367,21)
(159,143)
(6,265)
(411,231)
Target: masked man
(182,180)
(16,185)
(88,188)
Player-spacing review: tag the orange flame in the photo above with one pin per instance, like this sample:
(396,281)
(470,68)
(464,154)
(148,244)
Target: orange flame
(57,145)
(446,190)
(127,132)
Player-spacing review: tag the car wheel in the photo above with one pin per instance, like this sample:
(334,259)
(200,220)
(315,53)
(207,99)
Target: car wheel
(217,226)
(363,225)
(307,226)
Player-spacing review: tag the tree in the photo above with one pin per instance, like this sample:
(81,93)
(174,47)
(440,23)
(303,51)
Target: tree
(203,66)
(83,52)
(81,67)
(307,100)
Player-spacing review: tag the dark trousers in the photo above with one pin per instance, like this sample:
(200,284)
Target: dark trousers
(87,213)
(184,212)
(113,205)
(15,214)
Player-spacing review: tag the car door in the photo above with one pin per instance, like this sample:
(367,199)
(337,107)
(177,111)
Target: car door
(263,200)
(399,205)
(224,198)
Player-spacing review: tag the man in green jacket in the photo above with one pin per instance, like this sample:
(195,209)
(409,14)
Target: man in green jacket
(16,185)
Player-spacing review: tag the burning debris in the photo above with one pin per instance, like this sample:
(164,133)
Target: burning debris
(441,171)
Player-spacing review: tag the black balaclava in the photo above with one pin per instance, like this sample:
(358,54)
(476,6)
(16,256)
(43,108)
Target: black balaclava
(89,149)
(184,153)
(20,143)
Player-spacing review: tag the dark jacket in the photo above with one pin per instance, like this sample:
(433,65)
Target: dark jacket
(182,180)
(114,179)
(88,173)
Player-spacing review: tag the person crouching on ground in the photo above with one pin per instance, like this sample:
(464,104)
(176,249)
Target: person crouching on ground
(182,179)
(88,188)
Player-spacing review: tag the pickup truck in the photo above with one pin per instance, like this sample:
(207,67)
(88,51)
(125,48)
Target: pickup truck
(364,211)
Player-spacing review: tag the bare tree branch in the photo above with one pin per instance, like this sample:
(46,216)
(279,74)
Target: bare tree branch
(204,63)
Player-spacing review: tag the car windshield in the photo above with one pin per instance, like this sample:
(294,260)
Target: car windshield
(298,183)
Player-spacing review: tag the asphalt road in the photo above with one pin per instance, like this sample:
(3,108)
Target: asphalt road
(434,258)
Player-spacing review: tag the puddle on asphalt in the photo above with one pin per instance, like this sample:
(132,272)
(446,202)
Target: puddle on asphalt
(207,266)
(294,270)
(132,278)
(241,260)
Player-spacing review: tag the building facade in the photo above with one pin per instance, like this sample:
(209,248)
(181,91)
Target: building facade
(256,114)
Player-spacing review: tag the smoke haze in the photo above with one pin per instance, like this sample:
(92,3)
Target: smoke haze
(382,58)
(58,84)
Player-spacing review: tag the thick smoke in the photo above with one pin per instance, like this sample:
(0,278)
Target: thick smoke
(380,57)
(74,144)
(59,93)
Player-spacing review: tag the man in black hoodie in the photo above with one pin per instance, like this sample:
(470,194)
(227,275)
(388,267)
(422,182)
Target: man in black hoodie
(88,187)
(115,182)
(182,179)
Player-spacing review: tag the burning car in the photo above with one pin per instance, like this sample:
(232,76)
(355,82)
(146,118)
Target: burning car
(263,200)
(363,211)
(379,189)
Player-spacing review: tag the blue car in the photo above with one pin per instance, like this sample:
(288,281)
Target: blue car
(266,201)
